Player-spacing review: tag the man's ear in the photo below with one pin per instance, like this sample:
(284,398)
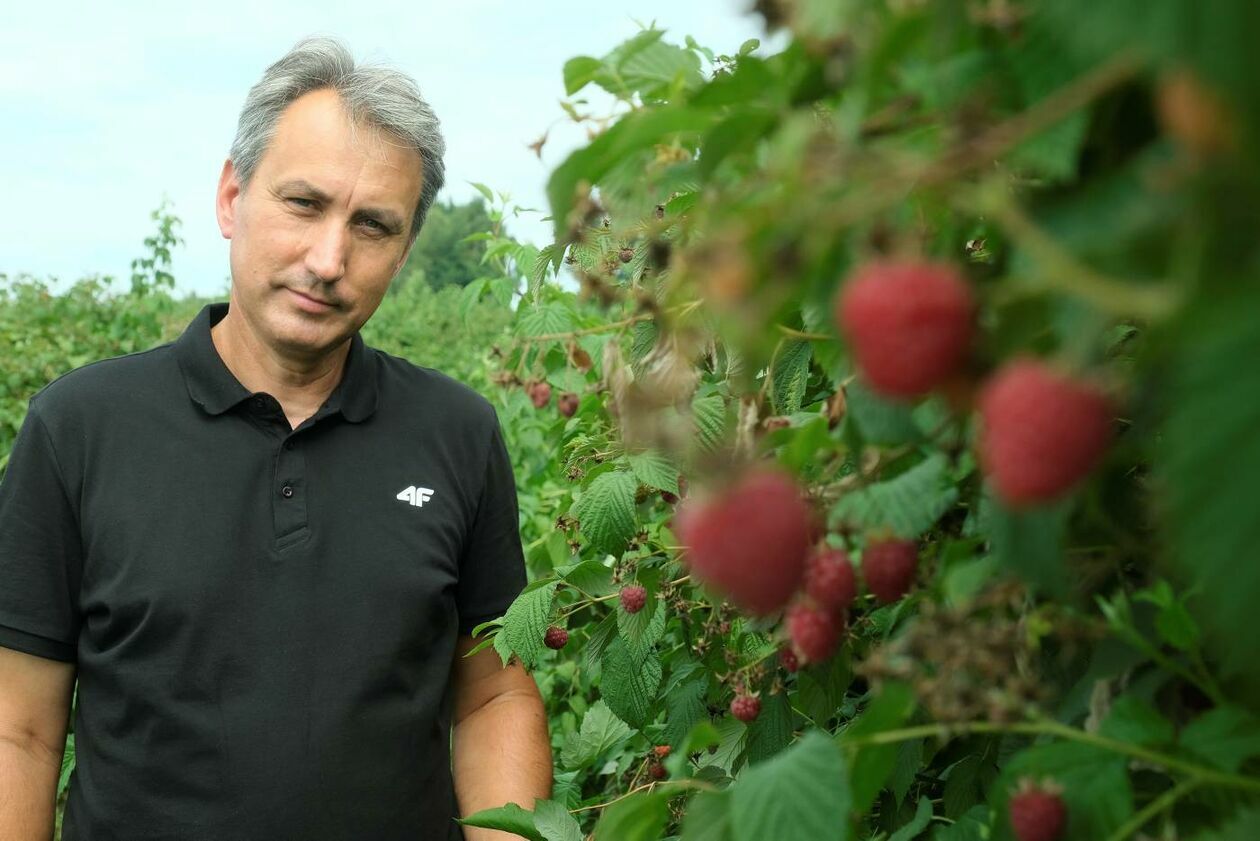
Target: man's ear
(225,199)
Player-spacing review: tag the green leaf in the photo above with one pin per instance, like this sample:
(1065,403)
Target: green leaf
(1244,827)
(600,731)
(629,686)
(636,132)
(771,731)
(658,67)
(591,577)
(525,623)
(1095,785)
(802,792)
(684,708)
(1030,543)
(655,470)
(709,414)
(922,817)
(908,504)
(605,511)
(640,817)
(1133,720)
(579,72)
(737,133)
(1226,737)
(821,688)
(789,376)
(1208,479)
(962,787)
(67,764)
(878,421)
(873,763)
(484,190)
(643,630)
(509,818)
(544,320)
(708,817)
(909,758)
(555,823)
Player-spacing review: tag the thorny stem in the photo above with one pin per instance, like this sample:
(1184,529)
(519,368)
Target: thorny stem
(682,784)
(1053,728)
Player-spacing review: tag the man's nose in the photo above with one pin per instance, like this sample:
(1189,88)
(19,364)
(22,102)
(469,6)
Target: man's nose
(328,249)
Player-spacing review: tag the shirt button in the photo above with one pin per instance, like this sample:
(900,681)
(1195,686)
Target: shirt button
(286,491)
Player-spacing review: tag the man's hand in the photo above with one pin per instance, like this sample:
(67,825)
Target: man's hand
(502,751)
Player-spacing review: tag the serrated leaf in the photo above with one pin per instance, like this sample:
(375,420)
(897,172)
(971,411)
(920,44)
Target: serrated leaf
(545,320)
(600,731)
(67,764)
(802,792)
(605,511)
(1133,720)
(510,818)
(1225,736)
(879,421)
(640,817)
(643,630)
(525,623)
(873,763)
(629,686)
(593,578)
(554,822)
(789,376)
(909,504)
(580,71)
(909,758)
(709,416)
(1030,543)
(962,787)
(771,731)
(708,817)
(684,708)
(1095,783)
(1243,827)
(922,817)
(655,470)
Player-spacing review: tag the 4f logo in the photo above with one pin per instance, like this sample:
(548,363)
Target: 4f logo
(415,496)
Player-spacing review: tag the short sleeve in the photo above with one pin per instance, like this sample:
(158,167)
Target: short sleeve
(40,562)
(492,569)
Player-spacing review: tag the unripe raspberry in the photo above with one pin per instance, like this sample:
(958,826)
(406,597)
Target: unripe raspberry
(1037,813)
(888,567)
(749,542)
(567,404)
(815,631)
(633,597)
(746,708)
(909,324)
(626,255)
(556,638)
(829,579)
(662,751)
(788,659)
(540,394)
(1042,432)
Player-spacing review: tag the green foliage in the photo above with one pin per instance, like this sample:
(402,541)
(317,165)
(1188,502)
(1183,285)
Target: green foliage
(443,254)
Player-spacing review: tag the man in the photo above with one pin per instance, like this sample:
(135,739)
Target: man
(263,546)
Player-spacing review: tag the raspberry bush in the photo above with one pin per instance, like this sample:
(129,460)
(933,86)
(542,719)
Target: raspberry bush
(961,298)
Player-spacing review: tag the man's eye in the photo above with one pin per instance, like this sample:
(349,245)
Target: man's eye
(380,229)
(308,202)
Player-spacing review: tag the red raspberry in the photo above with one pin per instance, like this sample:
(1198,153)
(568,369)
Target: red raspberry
(815,631)
(829,579)
(1042,432)
(787,657)
(749,542)
(662,751)
(657,771)
(633,597)
(746,708)
(540,394)
(888,567)
(908,323)
(556,638)
(567,404)
(1037,814)
(670,498)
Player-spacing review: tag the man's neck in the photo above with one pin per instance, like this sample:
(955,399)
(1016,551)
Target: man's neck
(300,385)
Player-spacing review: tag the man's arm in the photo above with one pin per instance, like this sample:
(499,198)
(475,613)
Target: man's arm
(35,695)
(502,748)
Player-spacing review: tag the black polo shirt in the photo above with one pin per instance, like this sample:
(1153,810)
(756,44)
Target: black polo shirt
(263,619)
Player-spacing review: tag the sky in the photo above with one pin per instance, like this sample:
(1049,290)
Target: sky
(106,109)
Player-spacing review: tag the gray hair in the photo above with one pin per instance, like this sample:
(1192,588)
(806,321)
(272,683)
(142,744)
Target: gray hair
(375,95)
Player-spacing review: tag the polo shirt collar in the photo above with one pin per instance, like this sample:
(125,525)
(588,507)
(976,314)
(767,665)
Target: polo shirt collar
(212,386)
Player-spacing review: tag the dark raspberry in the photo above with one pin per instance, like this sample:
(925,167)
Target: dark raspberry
(888,567)
(567,404)
(746,708)
(633,598)
(540,394)
(1037,814)
(556,638)
(815,631)
(909,324)
(829,579)
(1042,432)
(787,657)
(657,771)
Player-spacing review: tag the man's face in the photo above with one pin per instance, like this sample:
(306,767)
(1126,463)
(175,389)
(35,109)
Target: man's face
(321,229)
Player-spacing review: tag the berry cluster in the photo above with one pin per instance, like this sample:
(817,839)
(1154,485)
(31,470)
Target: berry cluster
(910,327)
